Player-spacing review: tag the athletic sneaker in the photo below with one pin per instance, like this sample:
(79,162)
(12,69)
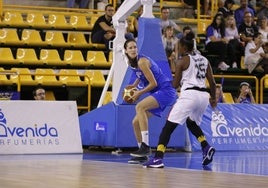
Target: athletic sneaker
(138,160)
(143,151)
(208,153)
(154,163)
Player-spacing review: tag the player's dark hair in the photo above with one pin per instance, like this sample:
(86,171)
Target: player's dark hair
(132,61)
(188,41)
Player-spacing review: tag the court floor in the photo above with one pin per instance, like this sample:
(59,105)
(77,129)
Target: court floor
(103,169)
(242,162)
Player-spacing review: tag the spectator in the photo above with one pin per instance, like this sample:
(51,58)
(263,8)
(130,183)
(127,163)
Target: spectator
(263,10)
(235,48)
(226,10)
(219,94)
(82,3)
(263,28)
(103,31)
(170,43)
(193,4)
(265,63)
(245,95)
(165,21)
(240,12)
(39,93)
(132,25)
(254,54)
(216,43)
(247,29)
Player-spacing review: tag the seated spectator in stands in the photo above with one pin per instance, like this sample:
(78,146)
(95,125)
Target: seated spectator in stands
(263,11)
(247,28)
(235,48)
(165,21)
(170,43)
(103,31)
(39,93)
(193,4)
(245,95)
(265,63)
(219,94)
(226,10)
(254,54)
(132,27)
(263,28)
(216,43)
(82,3)
(240,12)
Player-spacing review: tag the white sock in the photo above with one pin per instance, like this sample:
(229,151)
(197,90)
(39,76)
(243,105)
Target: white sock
(139,144)
(145,137)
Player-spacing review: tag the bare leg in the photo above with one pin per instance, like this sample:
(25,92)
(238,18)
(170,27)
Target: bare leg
(142,111)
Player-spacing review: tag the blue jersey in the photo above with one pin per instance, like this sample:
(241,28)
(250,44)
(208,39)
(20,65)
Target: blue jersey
(164,92)
(246,100)
(160,77)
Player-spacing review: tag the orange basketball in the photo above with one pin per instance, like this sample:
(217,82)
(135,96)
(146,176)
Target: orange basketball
(128,93)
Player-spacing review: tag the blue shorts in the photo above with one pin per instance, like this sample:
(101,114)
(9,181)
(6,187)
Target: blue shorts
(165,96)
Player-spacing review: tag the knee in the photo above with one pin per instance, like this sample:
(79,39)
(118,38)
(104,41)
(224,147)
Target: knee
(140,108)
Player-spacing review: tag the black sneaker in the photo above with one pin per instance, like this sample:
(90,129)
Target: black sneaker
(208,153)
(143,151)
(138,160)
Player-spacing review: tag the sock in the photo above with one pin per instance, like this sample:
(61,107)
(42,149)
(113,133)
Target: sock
(145,137)
(139,144)
(197,132)
(164,138)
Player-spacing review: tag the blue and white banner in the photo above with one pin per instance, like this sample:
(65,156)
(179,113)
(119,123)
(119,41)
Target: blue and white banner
(235,127)
(33,127)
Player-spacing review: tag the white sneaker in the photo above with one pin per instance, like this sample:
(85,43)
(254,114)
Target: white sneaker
(234,65)
(223,66)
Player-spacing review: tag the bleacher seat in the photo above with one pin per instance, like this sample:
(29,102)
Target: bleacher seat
(93,19)
(50,96)
(46,77)
(77,39)
(13,19)
(50,57)
(96,78)
(31,37)
(27,56)
(58,21)
(25,77)
(3,77)
(70,77)
(228,98)
(242,63)
(74,58)
(79,22)
(9,37)
(55,38)
(6,56)
(36,20)
(97,59)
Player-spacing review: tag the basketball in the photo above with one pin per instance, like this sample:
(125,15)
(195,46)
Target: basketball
(128,93)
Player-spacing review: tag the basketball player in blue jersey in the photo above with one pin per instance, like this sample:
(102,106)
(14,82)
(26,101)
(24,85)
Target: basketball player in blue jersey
(161,94)
(190,75)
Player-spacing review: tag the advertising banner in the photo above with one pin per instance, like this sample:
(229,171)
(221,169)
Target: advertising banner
(235,127)
(34,127)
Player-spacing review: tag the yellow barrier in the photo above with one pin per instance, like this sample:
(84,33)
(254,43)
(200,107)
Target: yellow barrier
(262,86)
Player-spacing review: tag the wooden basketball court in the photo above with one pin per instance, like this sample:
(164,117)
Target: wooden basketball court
(106,170)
